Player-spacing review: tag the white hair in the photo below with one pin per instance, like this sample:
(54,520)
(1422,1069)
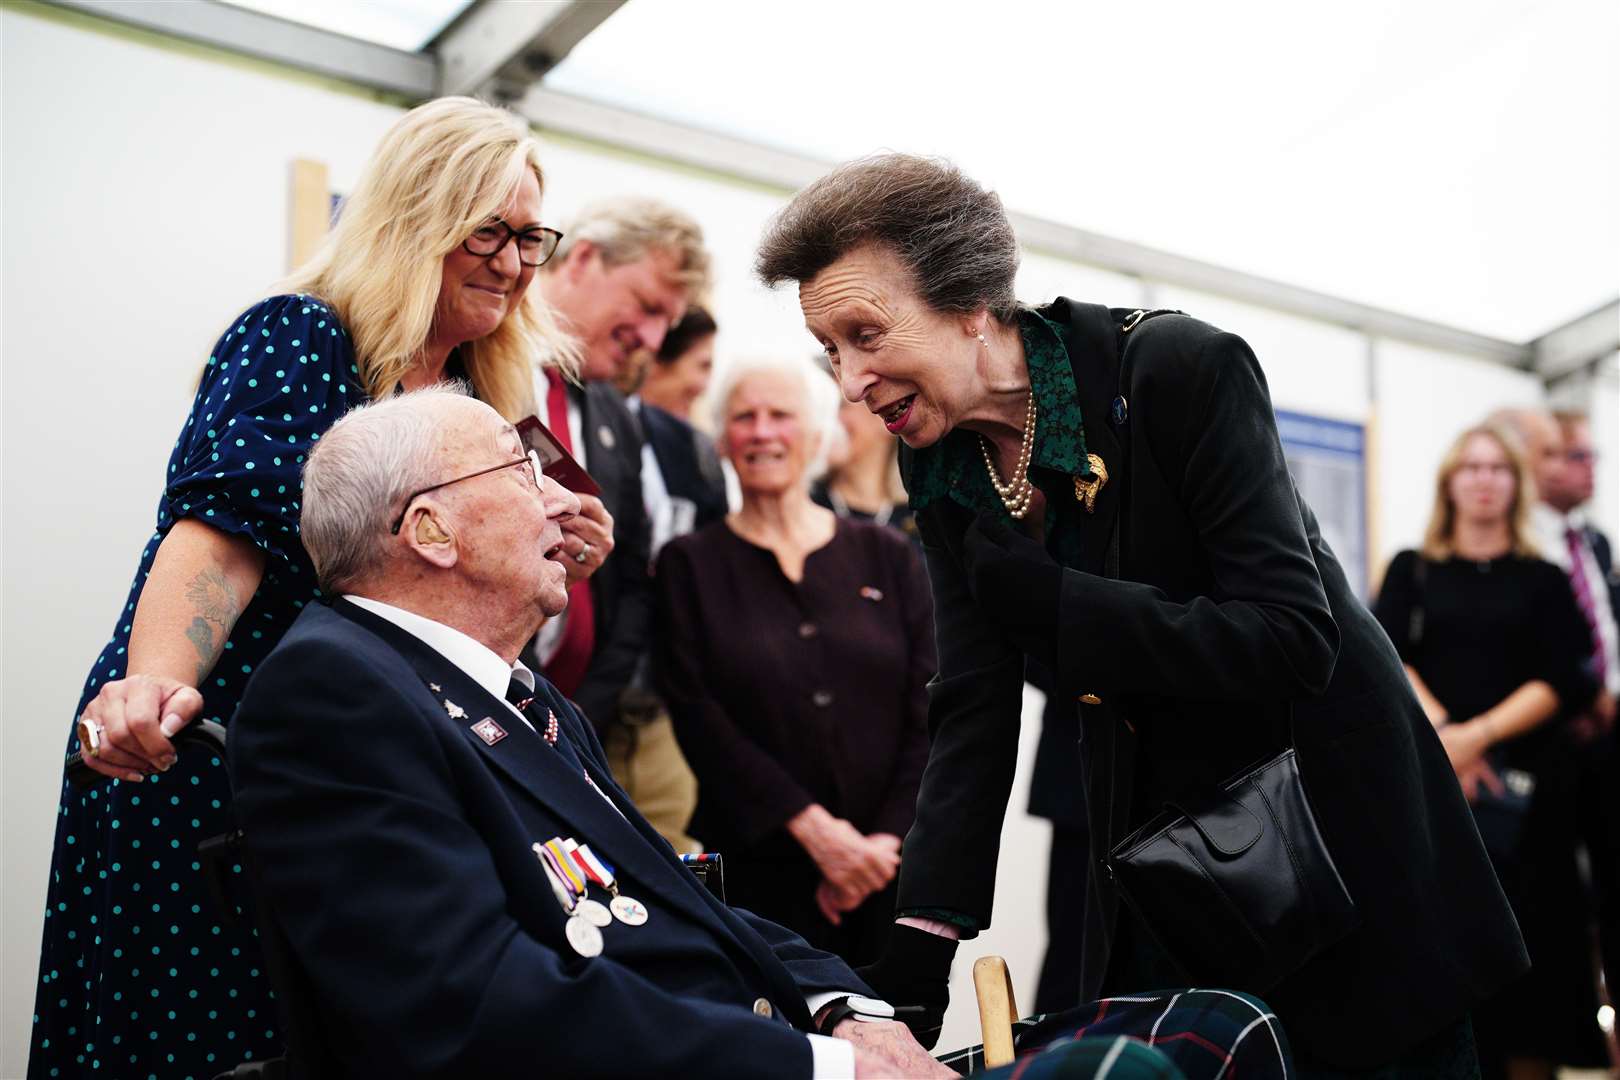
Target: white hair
(820,398)
(359,473)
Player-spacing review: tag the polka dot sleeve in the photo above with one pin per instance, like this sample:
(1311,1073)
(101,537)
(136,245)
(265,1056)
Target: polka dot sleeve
(278,378)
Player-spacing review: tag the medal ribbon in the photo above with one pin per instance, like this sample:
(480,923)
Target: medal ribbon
(566,878)
(592,867)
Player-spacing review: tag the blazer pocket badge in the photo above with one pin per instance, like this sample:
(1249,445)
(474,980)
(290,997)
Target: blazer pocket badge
(1086,487)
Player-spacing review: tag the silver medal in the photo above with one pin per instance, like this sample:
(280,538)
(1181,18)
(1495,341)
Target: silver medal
(629,910)
(585,938)
(593,912)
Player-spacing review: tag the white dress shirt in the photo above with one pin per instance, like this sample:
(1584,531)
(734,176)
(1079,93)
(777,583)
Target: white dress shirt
(832,1059)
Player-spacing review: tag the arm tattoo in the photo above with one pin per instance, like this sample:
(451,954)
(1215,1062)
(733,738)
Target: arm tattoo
(214,601)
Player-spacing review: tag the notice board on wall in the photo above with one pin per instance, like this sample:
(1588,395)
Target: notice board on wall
(1328,459)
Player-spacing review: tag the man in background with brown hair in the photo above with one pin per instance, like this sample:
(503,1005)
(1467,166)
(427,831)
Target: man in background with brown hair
(624,273)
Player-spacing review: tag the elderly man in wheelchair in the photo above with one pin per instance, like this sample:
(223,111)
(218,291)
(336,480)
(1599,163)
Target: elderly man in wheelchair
(443,866)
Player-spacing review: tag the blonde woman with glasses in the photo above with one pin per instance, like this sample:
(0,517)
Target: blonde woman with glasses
(424,278)
(1492,643)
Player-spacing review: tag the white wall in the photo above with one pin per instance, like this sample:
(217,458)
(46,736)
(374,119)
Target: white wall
(144,203)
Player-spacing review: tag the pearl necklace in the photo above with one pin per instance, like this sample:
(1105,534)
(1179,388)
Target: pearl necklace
(1018,494)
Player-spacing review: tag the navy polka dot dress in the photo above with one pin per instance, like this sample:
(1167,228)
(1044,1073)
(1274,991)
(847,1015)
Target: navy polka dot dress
(141,975)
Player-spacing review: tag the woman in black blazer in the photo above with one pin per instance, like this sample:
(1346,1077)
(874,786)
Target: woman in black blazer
(1225,632)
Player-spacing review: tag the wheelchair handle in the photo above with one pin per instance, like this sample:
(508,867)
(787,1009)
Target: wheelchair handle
(197,735)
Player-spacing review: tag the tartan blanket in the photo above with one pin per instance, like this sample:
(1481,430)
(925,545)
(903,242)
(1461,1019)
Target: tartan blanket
(1196,1034)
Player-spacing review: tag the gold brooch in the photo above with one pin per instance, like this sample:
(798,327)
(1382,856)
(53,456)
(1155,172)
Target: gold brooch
(1086,487)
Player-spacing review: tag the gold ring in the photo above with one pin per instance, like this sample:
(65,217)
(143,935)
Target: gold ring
(90,736)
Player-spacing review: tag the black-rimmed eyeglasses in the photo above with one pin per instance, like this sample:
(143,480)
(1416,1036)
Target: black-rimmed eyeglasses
(535,244)
(524,461)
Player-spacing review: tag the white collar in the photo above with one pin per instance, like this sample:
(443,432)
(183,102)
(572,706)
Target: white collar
(476,659)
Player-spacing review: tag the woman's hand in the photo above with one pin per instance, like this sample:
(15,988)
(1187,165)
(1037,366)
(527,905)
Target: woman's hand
(587,539)
(853,864)
(135,718)
(1465,745)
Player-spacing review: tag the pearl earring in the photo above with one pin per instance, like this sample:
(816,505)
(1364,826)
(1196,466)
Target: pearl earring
(983,342)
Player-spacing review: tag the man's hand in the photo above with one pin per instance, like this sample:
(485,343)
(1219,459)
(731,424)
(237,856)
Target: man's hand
(136,717)
(854,865)
(588,533)
(888,1050)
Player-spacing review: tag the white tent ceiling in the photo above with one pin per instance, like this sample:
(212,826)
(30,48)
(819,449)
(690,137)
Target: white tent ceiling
(1455,161)
(1458,161)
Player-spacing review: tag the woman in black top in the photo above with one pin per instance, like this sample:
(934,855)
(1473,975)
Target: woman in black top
(794,649)
(1218,630)
(1493,642)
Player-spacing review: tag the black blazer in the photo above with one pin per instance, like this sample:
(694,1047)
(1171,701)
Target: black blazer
(1230,618)
(621,589)
(393,849)
(686,458)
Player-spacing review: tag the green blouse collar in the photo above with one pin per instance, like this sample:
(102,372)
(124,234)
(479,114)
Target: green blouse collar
(953,468)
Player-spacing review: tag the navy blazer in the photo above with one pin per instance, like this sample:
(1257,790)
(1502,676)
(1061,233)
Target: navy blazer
(393,849)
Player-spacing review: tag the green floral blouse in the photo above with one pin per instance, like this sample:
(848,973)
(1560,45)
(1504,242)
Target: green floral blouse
(953,468)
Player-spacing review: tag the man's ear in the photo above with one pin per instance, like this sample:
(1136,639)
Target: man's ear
(431,538)
(577,261)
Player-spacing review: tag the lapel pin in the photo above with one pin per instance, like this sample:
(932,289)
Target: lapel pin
(872,593)
(1086,487)
(1120,411)
(604,435)
(456,712)
(488,730)
(435,687)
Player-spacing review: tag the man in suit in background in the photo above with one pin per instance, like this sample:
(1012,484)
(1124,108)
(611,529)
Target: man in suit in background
(624,273)
(434,831)
(1574,543)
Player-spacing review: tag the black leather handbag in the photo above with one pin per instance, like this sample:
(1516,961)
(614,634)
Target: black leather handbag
(1236,883)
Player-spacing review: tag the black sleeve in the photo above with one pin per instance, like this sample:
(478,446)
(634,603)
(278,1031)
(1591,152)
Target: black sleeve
(1266,630)
(916,602)
(948,863)
(1397,598)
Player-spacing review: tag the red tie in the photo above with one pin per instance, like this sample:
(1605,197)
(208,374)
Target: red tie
(566,669)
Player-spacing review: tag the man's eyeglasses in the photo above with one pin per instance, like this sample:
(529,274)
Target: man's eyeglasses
(524,462)
(535,244)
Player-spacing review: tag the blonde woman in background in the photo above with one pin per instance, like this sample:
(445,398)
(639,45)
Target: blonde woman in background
(1493,643)
(424,278)
(863,473)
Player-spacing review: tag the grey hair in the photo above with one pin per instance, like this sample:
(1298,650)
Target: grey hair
(357,476)
(952,234)
(820,397)
(625,229)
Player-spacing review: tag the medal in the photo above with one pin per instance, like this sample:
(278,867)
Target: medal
(585,938)
(628,910)
(593,912)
